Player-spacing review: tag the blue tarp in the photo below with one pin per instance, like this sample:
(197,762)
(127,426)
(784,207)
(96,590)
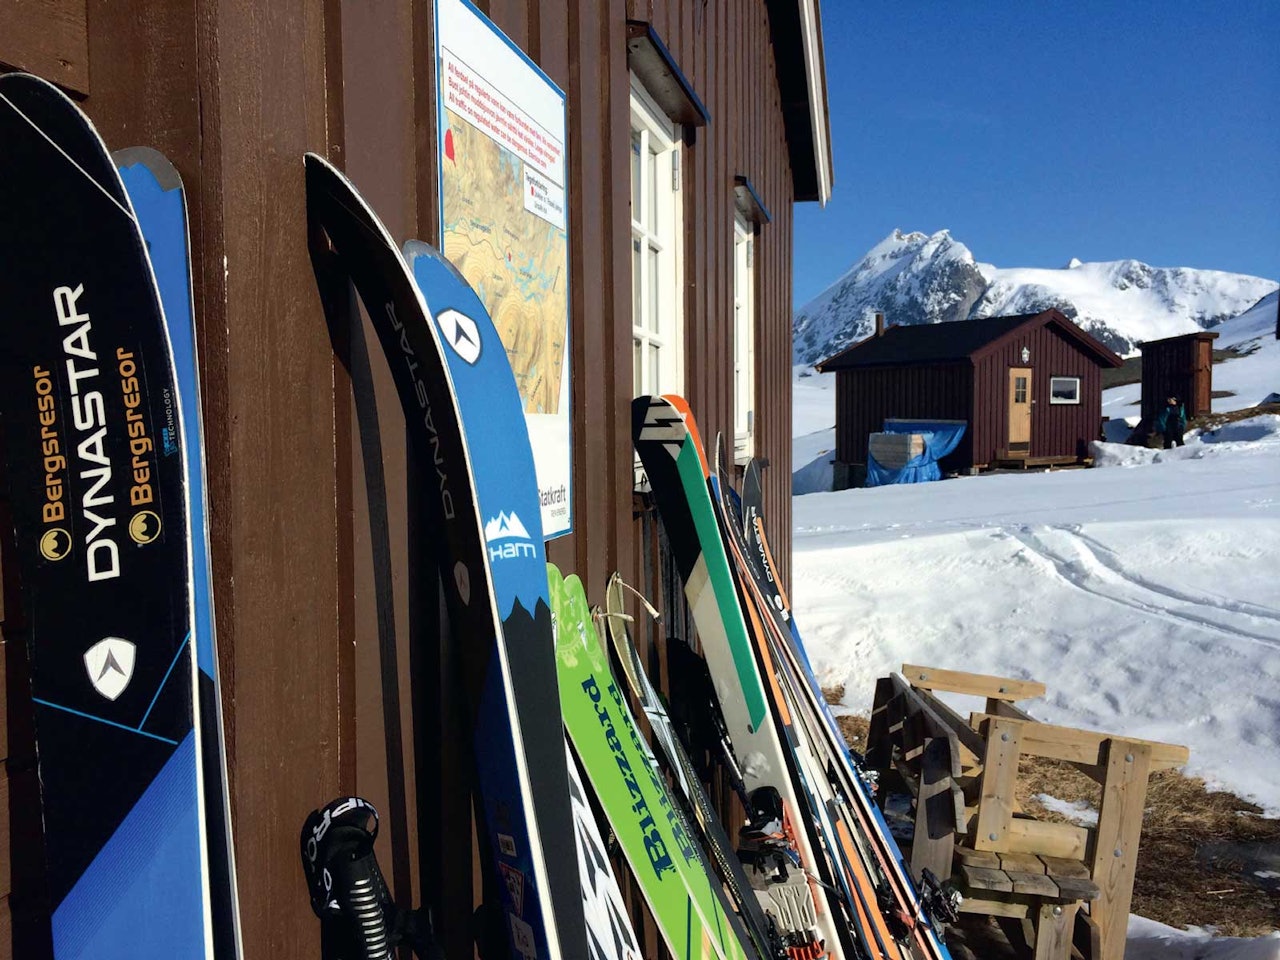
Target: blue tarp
(940,438)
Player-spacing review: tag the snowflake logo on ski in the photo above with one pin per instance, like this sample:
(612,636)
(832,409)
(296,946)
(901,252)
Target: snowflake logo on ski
(503,533)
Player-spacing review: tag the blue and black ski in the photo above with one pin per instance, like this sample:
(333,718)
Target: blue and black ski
(155,189)
(486,523)
(95,469)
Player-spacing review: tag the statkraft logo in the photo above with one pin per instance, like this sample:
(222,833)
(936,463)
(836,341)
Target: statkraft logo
(504,534)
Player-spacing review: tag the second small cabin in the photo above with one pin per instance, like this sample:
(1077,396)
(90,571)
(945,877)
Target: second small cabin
(1029,387)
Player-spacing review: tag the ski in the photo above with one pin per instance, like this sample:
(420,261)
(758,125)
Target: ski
(492,415)
(699,808)
(809,905)
(94,426)
(446,361)
(684,897)
(844,762)
(155,189)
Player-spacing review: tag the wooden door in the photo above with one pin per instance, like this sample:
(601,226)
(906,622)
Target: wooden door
(1201,398)
(1020,410)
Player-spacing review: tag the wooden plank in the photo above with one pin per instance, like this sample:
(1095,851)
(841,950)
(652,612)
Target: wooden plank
(1076,888)
(1054,923)
(1014,909)
(49,38)
(4,700)
(999,781)
(1062,867)
(1085,746)
(1054,839)
(978,858)
(935,834)
(951,721)
(1115,852)
(980,878)
(1033,884)
(6,930)
(1022,863)
(975,684)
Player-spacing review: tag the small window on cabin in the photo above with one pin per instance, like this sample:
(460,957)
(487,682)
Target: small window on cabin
(1064,389)
(656,322)
(1019,389)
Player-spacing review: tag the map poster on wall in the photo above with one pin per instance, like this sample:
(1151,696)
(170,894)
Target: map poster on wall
(503,223)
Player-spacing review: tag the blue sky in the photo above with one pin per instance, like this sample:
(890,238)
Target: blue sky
(1037,132)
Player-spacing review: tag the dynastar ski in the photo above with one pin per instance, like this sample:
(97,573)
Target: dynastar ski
(93,419)
(493,422)
(502,624)
(806,907)
(685,898)
(156,191)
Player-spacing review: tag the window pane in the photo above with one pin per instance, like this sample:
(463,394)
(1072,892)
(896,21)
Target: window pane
(654,370)
(635,175)
(653,191)
(637,318)
(655,301)
(637,374)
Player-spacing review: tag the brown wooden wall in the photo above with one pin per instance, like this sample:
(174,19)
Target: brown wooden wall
(311,494)
(1061,430)
(865,396)
(1179,367)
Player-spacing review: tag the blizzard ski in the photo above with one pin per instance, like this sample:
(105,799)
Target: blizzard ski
(925,911)
(493,421)
(684,897)
(698,806)
(443,363)
(809,905)
(155,190)
(94,426)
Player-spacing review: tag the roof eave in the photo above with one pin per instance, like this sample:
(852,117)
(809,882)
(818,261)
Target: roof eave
(795,28)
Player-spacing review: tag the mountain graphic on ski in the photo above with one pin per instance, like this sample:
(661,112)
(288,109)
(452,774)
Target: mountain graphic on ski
(156,192)
(501,625)
(683,896)
(94,467)
(505,526)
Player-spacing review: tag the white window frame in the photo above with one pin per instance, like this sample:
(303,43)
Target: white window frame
(656,238)
(1055,401)
(744,339)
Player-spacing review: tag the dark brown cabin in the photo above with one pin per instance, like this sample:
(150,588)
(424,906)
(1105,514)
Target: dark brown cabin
(1179,367)
(1028,386)
(323,694)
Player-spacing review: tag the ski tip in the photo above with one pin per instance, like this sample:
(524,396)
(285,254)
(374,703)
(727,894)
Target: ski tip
(160,167)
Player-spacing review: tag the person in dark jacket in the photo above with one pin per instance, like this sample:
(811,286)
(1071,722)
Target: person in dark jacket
(1171,423)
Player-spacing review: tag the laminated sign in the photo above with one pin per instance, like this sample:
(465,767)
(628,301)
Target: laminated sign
(504,223)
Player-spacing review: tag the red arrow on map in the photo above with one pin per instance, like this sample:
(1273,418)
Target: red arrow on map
(448,145)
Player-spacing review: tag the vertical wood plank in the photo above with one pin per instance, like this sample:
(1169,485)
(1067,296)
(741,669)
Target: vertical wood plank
(999,778)
(1053,925)
(49,38)
(935,836)
(1115,853)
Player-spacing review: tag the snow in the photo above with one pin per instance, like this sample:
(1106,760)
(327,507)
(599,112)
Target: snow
(813,417)
(1250,379)
(1144,593)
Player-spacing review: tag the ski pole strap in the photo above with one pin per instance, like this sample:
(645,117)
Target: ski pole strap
(649,607)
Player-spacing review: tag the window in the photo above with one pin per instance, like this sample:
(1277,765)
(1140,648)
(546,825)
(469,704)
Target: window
(1019,389)
(657,361)
(744,337)
(1064,389)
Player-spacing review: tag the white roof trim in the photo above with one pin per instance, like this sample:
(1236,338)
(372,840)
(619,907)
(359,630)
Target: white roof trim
(817,96)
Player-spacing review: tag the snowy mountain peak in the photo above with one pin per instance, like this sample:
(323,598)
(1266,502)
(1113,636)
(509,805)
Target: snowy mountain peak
(933,278)
(910,277)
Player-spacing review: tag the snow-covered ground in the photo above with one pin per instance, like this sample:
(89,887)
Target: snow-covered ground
(1145,593)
